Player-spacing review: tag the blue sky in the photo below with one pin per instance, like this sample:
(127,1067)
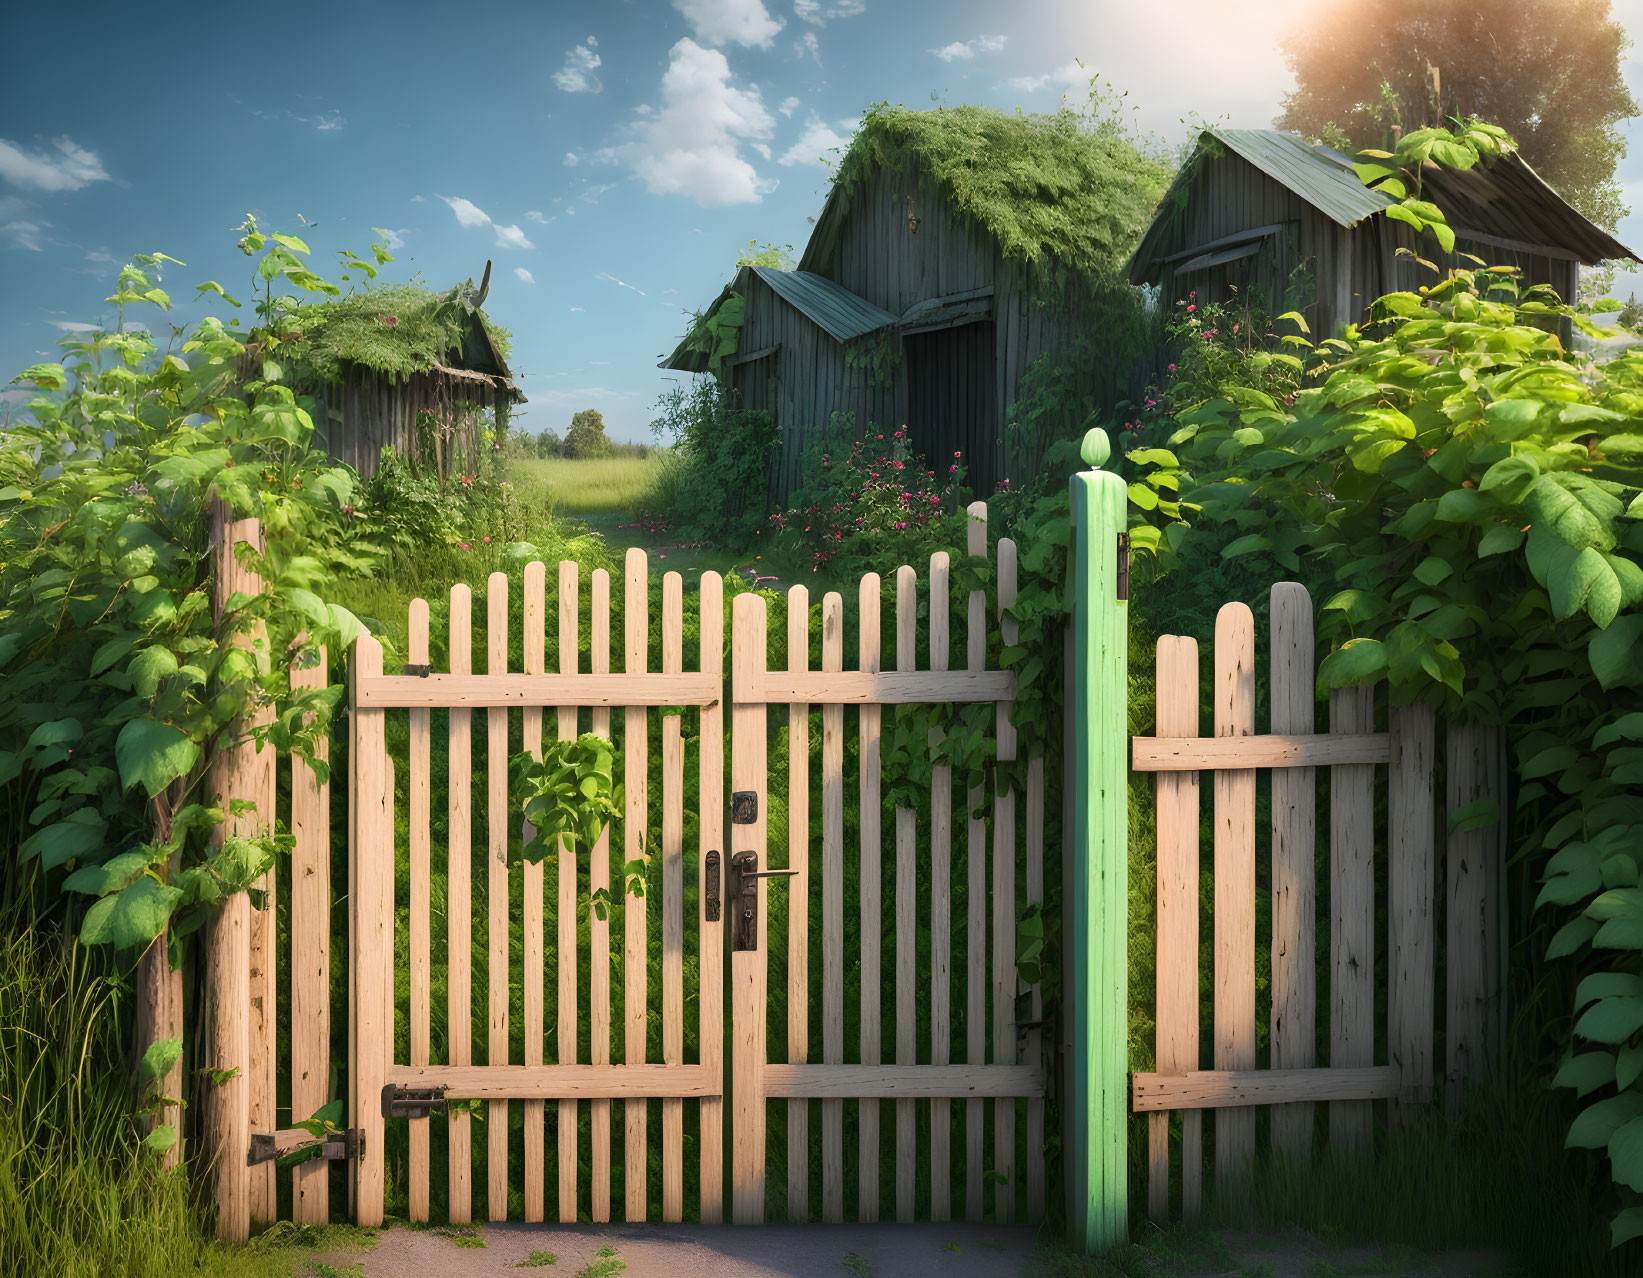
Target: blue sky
(612,159)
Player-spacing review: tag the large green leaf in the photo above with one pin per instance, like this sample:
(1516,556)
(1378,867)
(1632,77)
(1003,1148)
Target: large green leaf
(132,919)
(153,754)
(1597,1123)
(1586,1072)
(1614,652)
(1626,1153)
(76,837)
(1611,1020)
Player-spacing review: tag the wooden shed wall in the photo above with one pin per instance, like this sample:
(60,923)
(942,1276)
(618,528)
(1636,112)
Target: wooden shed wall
(1351,267)
(366,411)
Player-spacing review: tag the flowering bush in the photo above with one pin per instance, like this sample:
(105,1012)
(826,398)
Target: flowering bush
(879,493)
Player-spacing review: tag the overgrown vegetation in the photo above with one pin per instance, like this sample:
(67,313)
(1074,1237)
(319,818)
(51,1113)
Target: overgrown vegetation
(390,328)
(713,482)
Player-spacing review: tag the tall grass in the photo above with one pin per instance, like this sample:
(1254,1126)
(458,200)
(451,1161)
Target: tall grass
(79,1195)
(587,485)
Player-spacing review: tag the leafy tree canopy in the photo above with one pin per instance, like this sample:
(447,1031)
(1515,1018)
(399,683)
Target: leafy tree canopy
(1549,75)
(586,436)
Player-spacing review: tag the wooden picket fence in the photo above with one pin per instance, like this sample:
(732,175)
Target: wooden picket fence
(1295,1081)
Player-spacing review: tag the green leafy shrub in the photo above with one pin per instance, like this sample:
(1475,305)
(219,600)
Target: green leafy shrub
(713,482)
(879,503)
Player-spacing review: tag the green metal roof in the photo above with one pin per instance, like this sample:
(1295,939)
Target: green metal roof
(833,308)
(1320,175)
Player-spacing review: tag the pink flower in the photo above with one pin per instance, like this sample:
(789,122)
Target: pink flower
(1151,403)
(466,546)
(899,527)
(1172,368)
(958,454)
(898,435)
(1191,309)
(487,541)
(1235,330)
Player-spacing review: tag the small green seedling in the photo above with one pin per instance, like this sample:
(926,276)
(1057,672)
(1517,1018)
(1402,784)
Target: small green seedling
(538,1260)
(858,1264)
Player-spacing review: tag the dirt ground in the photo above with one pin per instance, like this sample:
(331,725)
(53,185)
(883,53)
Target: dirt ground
(867,1251)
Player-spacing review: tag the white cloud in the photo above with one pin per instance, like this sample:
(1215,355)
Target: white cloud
(807,46)
(511,237)
(817,138)
(577,75)
(325,121)
(417,199)
(667,291)
(73,326)
(818,14)
(592,42)
(24,235)
(609,278)
(468,214)
(534,215)
(396,239)
(578,308)
(592,194)
(67,168)
(787,106)
(744,22)
(1063,78)
(524,275)
(692,145)
(964,50)
(762,149)
(572,159)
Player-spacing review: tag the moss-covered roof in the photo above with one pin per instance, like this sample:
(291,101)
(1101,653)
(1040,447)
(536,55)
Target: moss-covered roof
(1038,183)
(399,329)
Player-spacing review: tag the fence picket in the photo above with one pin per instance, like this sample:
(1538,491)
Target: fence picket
(975,1018)
(941,904)
(459,911)
(1234,892)
(498,909)
(906,920)
(832,910)
(636,634)
(871,882)
(798,905)
(1410,937)
(310,958)
(710,991)
(1005,979)
(531,955)
(1352,916)
(599,928)
(419,866)
(748,968)
(1294,839)
(1035,1051)
(371,947)
(673,905)
(570,590)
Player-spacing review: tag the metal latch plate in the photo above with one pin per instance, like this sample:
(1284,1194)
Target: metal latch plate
(334,1146)
(410,1102)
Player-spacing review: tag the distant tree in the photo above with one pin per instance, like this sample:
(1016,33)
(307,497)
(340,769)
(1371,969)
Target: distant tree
(548,444)
(586,436)
(1549,74)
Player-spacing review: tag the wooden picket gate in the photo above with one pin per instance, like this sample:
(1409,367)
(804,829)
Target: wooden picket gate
(1351,1082)
(748,1051)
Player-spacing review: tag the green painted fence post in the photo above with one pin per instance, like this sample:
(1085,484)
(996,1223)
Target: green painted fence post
(1098,897)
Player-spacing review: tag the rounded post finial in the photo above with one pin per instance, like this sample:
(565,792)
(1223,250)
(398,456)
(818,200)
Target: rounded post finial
(1096,448)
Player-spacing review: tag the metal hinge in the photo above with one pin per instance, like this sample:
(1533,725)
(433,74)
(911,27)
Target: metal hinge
(1123,566)
(744,807)
(410,1102)
(335,1146)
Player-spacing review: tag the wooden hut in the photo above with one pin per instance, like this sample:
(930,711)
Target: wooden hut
(955,248)
(411,370)
(1289,222)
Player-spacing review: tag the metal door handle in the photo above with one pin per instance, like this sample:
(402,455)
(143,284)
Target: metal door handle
(742,887)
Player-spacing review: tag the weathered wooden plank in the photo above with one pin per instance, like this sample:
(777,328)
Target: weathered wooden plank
(833,911)
(1005,979)
(941,904)
(748,973)
(1182,754)
(499,689)
(907,983)
(1219,1089)
(673,905)
(310,957)
(1177,961)
(419,929)
(1411,841)
(1352,916)
(1294,840)
(599,928)
(635,929)
(710,989)
(1036,1053)
(898,1082)
(498,912)
(1471,956)
(532,954)
(459,910)
(911,687)
(570,642)
(871,880)
(371,888)
(798,904)
(975,1018)
(558,1082)
(1234,893)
